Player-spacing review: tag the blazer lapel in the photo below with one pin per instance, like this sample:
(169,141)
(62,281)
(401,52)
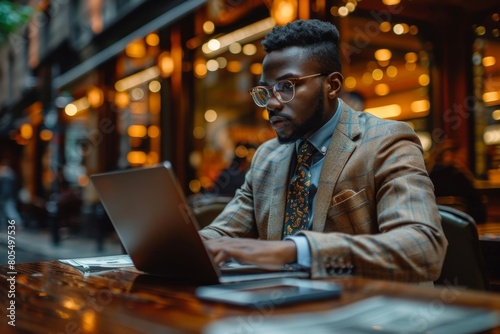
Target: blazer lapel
(339,151)
(277,210)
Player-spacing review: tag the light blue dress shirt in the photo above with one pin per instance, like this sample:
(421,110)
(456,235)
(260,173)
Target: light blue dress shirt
(321,140)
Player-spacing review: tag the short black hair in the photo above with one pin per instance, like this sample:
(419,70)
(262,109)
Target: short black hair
(320,37)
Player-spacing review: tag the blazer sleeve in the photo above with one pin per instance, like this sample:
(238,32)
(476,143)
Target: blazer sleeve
(247,214)
(394,230)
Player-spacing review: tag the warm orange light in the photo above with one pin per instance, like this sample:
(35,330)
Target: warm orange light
(391,2)
(385,26)
(154,86)
(83,180)
(152,158)
(95,15)
(136,157)
(496,114)
(400,28)
(136,49)
(234,66)
(256,68)
(249,49)
(411,66)
(210,115)
(343,11)
(153,131)
(200,69)
(489,61)
(388,111)
(411,57)
(383,54)
(153,39)
(284,11)
(491,97)
(122,99)
(377,74)
(350,82)
(382,89)
(392,71)
(420,106)
(424,80)
(208,27)
(46,135)
(199,132)
(26,131)
(138,131)
(367,78)
(76,106)
(480,31)
(95,97)
(71,304)
(195,186)
(241,151)
(137,79)
(166,64)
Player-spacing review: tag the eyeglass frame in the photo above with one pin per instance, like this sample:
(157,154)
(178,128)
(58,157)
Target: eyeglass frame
(272,88)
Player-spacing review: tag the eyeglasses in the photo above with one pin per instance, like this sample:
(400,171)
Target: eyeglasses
(284,90)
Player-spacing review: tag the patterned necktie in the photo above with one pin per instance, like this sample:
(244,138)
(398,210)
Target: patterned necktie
(297,206)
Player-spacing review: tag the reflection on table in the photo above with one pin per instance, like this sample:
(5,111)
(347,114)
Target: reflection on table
(51,297)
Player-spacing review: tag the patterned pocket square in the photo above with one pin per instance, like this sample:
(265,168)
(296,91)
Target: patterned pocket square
(342,196)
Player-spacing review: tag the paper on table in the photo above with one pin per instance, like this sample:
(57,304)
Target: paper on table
(378,314)
(93,265)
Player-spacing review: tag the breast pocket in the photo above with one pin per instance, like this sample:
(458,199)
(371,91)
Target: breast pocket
(350,213)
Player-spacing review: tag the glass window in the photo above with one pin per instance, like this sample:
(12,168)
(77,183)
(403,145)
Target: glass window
(138,103)
(385,65)
(386,70)
(486,79)
(227,124)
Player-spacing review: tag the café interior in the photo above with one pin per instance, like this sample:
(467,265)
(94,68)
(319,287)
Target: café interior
(178,91)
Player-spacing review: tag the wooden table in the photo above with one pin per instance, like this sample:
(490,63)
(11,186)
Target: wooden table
(492,192)
(489,231)
(51,297)
(489,240)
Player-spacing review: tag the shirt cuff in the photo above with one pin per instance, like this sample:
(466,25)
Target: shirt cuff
(303,250)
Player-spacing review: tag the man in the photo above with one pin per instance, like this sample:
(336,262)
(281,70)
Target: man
(365,204)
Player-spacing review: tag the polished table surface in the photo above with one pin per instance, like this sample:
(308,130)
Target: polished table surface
(489,237)
(489,231)
(51,297)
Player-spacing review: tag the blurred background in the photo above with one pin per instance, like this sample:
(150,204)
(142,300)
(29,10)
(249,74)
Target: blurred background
(89,86)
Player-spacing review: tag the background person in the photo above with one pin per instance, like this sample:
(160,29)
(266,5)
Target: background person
(370,207)
(8,195)
(454,182)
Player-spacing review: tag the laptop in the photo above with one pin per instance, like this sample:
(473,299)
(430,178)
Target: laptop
(149,212)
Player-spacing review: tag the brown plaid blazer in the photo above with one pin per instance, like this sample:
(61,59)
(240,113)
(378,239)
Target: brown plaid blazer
(375,213)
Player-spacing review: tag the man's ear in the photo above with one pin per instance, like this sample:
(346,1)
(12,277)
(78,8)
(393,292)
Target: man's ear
(335,81)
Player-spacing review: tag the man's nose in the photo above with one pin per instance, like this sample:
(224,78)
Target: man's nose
(273,103)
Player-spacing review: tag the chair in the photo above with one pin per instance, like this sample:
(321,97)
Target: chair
(207,210)
(463,265)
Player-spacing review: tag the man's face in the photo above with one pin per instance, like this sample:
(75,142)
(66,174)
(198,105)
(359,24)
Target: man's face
(305,113)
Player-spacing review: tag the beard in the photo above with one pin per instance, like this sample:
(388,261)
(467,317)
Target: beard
(310,125)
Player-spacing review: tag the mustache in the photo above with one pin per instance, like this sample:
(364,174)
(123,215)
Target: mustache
(278,114)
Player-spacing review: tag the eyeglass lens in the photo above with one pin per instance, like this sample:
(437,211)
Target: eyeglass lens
(283,90)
